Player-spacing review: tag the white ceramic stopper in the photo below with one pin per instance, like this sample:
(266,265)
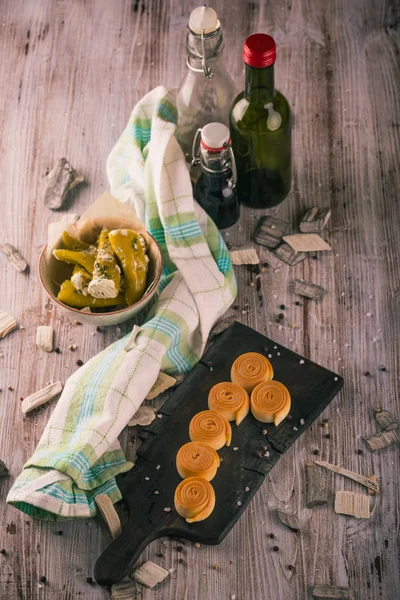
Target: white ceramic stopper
(215,135)
(203,20)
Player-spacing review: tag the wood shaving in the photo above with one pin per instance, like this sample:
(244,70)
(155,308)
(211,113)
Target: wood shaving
(124,590)
(143,416)
(163,383)
(41,397)
(245,256)
(381,440)
(7,324)
(285,253)
(308,289)
(366,481)
(14,257)
(110,515)
(315,220)
(306,242)
(44,338)
(288,519)
(386,420)
(149,574)
(270,230)
(352,504)
(316,487)
(61,179)
(332,592)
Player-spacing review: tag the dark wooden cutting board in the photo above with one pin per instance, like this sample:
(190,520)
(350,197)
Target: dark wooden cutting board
(149,487)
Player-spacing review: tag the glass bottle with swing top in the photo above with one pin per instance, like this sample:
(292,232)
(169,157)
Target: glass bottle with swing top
(207,91)
(215,189)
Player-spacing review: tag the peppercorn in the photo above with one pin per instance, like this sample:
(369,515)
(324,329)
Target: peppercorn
(360,452)
(316,451)
(60,532)
(315,257)
(57,350)
(160,555)
(179,548)
(43,579)
(327,436)
(275,548)
(281,316)
(282,307)
(291,567)
(383,369)
(3,552)
(99,329)
(180,560)
(10,388)
(297,303)
(271,535)
(367,374)
(89,580)
(79,362)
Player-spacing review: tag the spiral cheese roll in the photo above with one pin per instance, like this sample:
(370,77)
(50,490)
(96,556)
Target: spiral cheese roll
(196,459)
(270,402)
(194,499)
(250,369)
(229,399)
(210,427)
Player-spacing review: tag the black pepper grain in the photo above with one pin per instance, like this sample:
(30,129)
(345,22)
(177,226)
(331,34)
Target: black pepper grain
(43,579)
(89,580)
(180,560)
(275,548)
(297,303)
(160,554)
(281,316)
(282,307)
(272,536)
(3,552)
(360,452)
(57,350)
(291,567)
(327,435)
(179,548)
(315,257)
(60,532)
(10,388)
(367,374)
(79,362)
(316,451)
(99,329)
(383,369)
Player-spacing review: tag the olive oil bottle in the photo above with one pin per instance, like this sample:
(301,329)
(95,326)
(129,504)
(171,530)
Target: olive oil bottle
(260,125)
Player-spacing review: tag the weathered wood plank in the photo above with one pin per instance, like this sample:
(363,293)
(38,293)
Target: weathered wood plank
(70,86)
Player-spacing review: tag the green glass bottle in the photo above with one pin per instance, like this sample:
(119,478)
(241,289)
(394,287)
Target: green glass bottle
(260,124)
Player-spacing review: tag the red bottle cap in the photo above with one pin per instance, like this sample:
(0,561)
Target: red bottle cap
(259,50)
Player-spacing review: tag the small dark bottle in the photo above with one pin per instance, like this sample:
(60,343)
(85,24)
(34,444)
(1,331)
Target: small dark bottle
(260,125)
(215,189)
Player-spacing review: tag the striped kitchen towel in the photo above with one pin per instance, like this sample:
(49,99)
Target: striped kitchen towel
(79,454)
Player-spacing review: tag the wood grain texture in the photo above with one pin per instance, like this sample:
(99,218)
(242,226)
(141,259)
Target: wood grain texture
(70,73)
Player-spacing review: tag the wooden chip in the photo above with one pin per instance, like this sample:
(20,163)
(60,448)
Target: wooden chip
(41,397)
(316,487)
(3,469)
(59,182)
(269,231)
(306,242)
(149,574)
(308,289)
(245,256)
(110,515)
(381,440)
(143,416)
(13,257)
(7,324)
(315,220)
(288,519)
(124,590)
(386,420)
(163,382)
(288,255)
(220,327)
(332,592)
(352,504)
(44,338)
(366,481)
(373,479)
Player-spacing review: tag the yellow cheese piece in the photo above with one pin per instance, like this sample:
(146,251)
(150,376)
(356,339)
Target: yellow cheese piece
(250,369)
(196,459)
(270,402)
(212,428)
(194,499)
(70,296)
(82,258)
(127,246)
(229,399)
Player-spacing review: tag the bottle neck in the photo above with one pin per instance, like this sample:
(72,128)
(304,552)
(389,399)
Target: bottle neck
(209,46)
(259,85)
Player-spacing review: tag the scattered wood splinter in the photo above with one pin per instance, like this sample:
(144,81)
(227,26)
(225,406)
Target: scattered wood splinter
(143,416)
(110,515)
(306,242)
(288,519)
(162,383)
(14,257)
(381,440)
(61,179)
(316,486)
(244,256)
(386,420)
(149,574)
(315,220)
(44,338)
(352,504)
(366,481)
(7,324)
(124,590)
(332,592)
(41,397)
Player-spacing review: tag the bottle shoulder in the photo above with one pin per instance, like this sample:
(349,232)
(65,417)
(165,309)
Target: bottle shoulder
(247,113)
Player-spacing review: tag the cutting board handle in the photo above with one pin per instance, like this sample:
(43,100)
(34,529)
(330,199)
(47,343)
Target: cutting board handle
(119,557)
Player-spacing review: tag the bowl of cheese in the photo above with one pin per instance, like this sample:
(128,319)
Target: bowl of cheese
(100,273)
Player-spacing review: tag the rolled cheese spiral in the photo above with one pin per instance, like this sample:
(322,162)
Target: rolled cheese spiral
(270,402)
(210,427)
(196,459)
(229,399)
(250,369)
(194,499)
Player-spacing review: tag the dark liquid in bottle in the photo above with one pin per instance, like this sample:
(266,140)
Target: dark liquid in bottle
(218,199)
(262,188)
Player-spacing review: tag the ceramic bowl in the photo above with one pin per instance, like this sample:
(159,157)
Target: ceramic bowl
(53,272)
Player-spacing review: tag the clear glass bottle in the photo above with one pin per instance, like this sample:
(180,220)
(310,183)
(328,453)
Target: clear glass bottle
(260,125)
(215,189)
(207,91)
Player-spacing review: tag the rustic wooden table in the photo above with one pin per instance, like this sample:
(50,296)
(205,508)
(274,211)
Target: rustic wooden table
(70,73)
